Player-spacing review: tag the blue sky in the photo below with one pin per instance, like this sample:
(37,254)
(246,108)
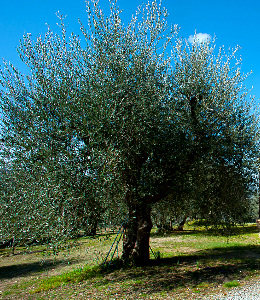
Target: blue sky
(233,22)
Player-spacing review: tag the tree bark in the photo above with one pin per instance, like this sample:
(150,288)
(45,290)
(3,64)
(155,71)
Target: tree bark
(130,235)
(92,228)
(182,223)
(137,235)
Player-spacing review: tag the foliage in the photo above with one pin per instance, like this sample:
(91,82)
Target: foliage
(119,125)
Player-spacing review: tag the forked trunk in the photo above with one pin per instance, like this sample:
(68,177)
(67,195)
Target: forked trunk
(137,235)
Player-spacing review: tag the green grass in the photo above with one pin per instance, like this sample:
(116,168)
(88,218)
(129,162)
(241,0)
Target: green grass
(191,262)
(74,276)
(203,285)
(231,284)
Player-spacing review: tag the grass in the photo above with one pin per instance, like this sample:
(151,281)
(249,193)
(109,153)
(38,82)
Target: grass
(231,284)
(75,276)
(191,264)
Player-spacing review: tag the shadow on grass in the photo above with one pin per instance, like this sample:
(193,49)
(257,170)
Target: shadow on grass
(26,269)
(212,266)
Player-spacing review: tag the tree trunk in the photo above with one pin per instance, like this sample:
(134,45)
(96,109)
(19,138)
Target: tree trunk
(182,223)
(130,235)
(137,235)
(91,231)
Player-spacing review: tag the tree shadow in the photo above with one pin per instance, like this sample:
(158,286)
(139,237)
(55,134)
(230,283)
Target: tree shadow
(213,266)
(26,269)
(227,252)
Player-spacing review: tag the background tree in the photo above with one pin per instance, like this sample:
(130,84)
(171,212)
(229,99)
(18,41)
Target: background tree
(121,119)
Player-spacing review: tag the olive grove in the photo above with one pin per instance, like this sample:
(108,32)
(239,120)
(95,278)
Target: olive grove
(134,117)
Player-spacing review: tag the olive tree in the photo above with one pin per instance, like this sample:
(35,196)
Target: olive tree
(124,119)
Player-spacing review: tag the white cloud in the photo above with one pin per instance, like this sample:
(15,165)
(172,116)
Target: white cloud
(199,38)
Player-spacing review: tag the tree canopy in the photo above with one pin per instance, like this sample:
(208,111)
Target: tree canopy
(135,116)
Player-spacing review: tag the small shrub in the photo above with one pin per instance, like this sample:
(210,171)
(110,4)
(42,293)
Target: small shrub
(231,284)
(203,285)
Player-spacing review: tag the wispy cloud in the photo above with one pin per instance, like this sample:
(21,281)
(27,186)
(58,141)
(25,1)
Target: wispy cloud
(199,38)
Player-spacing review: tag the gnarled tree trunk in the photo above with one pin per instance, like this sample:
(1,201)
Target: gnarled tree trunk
(137,235)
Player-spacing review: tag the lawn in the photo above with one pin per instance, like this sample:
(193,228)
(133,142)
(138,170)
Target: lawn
(193,264)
